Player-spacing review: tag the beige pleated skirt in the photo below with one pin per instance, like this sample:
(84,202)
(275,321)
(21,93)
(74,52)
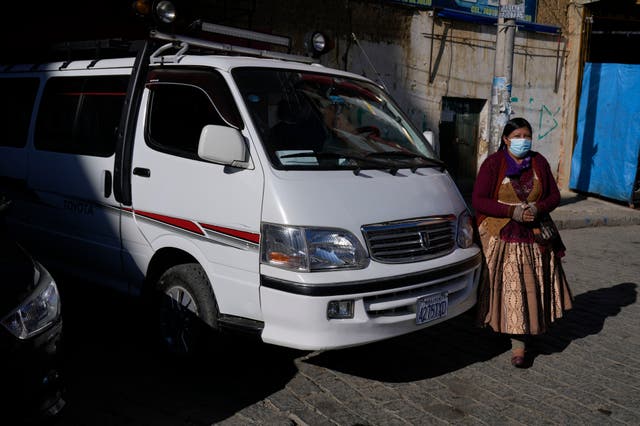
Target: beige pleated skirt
(524,288)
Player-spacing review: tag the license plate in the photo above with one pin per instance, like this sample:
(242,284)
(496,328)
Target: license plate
(431,307)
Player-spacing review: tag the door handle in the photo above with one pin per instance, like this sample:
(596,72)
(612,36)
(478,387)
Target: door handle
(108,184)
(142,171)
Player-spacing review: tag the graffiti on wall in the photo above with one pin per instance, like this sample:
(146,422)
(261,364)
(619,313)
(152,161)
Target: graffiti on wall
(547,122)
(547,119)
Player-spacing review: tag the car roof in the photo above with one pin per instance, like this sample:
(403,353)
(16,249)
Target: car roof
(220,62)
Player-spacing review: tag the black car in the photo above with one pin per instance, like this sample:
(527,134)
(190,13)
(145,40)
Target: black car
(30,335)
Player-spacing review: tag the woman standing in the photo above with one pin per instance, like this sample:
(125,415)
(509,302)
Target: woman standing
(525,288)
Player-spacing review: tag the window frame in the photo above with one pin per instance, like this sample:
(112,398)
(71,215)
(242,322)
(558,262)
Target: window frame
(151,141)
(41,143)
(204,83)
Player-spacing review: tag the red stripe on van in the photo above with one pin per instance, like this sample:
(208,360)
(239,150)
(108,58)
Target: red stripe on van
(249,236)
(179,223)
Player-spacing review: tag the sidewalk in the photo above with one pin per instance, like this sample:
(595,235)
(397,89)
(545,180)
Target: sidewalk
(580,211)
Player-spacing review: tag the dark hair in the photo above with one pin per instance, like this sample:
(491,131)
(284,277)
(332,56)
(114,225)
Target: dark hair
(513,124)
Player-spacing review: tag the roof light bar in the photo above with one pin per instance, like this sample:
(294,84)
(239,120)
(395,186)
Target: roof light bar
(212,45)
(246,34)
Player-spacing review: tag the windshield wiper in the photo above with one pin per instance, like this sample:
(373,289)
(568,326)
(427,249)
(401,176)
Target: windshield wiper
(430,162)
(359,160)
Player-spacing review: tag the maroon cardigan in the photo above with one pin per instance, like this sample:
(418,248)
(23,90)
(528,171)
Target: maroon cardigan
(492,173)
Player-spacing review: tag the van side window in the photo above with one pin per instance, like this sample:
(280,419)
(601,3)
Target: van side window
(177,113)
(80,115)
(16,105)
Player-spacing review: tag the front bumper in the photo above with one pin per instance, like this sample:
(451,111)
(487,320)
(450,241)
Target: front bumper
(295,315)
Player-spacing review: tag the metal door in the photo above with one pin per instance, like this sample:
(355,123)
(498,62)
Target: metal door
(459,133)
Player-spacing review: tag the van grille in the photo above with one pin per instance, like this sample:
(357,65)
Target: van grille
(411,241)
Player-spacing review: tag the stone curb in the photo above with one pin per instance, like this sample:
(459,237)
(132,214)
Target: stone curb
(576,211)
(593,221)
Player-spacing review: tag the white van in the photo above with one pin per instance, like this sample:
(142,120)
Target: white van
(268,194)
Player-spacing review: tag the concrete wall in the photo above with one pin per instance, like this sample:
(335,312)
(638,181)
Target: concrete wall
(466,70)
(573,78)
(403,44)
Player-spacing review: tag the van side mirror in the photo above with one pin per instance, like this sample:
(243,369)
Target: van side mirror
(222,145)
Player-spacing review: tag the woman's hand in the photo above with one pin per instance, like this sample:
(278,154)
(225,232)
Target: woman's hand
(524,213)
(528,215)
(533,209)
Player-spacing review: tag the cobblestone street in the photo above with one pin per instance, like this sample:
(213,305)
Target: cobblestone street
(585,371)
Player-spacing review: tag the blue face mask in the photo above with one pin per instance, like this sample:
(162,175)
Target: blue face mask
(520,147)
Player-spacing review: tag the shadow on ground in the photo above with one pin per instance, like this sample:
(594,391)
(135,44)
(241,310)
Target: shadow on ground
(428,353)
(457,343)
(590,311)
(572,198)
(115,373)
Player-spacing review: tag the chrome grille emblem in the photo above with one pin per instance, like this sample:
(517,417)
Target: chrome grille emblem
(424,240)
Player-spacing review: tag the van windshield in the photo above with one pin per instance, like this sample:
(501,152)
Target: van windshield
(319,121)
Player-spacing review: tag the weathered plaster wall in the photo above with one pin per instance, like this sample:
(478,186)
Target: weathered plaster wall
(403,45)
(572,77)
(538,90)
(465,70)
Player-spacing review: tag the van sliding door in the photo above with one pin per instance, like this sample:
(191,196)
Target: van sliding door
(72,171)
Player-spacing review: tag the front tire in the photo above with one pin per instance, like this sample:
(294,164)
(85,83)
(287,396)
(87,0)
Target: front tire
(187,309)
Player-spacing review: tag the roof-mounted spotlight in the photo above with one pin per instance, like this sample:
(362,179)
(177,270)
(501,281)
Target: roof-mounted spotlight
(156,12)
(165,11)
(317,43)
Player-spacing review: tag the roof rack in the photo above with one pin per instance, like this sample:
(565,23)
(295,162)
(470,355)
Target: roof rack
(118,44)
(95,49)
(183,42)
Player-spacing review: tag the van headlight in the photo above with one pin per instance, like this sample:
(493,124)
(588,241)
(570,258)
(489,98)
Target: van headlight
(465,230)
(38,311)
(310,249)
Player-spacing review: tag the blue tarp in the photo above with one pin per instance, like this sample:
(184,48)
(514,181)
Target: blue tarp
(605,158)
